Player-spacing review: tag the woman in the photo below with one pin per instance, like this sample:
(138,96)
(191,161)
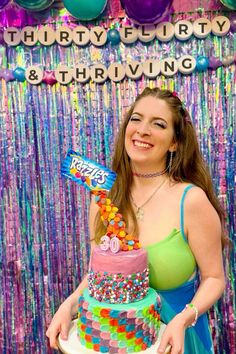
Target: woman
(165,194)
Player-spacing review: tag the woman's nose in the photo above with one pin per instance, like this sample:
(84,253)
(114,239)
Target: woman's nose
(143,129)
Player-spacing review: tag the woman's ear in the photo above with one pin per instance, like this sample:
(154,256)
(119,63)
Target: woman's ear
(173,147)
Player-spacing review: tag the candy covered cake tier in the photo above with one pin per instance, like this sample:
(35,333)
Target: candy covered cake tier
(118,277)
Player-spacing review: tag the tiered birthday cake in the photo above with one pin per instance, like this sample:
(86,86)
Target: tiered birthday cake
(118,312)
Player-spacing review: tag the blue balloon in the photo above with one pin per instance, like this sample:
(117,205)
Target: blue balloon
(113,36)
(202,63)
(19,74)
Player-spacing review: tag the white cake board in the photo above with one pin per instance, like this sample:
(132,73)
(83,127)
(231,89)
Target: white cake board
(73,346)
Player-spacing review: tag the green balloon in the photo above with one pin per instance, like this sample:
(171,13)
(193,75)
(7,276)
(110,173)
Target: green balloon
(34,5)
(231,4)
(85,10)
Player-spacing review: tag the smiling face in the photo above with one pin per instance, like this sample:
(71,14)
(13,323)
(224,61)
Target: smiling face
(149,134)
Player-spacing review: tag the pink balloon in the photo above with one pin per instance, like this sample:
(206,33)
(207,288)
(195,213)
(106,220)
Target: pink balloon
(49,77)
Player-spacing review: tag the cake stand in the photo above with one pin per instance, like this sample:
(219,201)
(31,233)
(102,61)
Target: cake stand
(73,346)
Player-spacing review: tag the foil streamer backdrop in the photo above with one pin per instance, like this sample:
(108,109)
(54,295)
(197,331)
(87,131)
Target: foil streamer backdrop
(44,239)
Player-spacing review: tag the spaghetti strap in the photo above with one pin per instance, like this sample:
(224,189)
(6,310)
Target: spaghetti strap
(182,210)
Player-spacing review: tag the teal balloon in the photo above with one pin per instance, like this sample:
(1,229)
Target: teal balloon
(19,74)
(85,10)
(231,4)
(34,5)
(202,63)
(113,36)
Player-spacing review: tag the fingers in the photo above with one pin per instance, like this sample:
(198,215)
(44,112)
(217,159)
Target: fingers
(177,350)
(52,336)
(163,344)
(65,327)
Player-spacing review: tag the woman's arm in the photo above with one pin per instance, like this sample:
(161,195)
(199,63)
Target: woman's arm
(203,229)
(62,319)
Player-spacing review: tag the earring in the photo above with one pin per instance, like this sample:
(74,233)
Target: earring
(170,161)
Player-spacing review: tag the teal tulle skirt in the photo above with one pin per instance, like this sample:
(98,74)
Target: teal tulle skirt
(198,338)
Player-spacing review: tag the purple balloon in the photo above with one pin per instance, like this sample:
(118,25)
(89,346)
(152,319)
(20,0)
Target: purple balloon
(214,62)
(3,3)
(7,75)
(146,11)
(13,16)
(233,25)
(1,37)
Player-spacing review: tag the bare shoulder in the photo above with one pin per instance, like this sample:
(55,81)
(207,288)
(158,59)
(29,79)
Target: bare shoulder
(197,199)
(200,212)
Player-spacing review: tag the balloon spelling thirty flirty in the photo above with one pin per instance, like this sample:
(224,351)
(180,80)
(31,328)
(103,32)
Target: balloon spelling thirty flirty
(34,5)
(146,12)
(85,10)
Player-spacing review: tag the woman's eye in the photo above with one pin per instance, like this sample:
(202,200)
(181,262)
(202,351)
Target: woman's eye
(134,119)
(159,124)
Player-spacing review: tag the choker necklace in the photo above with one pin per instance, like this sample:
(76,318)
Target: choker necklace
(150,175)
(140,212)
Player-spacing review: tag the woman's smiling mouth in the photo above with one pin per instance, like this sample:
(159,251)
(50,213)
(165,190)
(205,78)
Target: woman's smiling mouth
(142,144)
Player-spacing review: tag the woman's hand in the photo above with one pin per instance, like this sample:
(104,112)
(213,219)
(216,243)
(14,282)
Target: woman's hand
(174,336)
(60,324)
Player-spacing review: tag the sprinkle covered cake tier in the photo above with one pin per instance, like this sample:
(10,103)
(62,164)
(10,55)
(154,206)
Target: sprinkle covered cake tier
(118,328)
(118,277)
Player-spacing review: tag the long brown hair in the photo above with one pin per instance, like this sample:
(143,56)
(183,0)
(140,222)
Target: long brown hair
(187,164)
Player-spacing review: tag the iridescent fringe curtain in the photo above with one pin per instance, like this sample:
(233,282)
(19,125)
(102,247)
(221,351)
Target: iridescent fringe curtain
(44,240)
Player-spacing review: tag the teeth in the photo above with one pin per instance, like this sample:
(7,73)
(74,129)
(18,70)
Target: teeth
(138,143)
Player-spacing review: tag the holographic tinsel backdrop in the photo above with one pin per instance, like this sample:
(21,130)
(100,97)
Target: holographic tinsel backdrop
(44,240)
